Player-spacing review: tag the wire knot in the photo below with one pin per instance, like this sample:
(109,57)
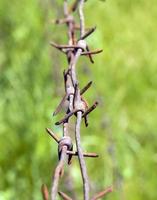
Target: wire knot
(70,18)
(82,44)
(65,141)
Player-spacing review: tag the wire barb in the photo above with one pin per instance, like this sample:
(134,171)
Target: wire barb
(45,192)
(88,33)
(64,196)
(102,193)
(86,87)
(62,47)
(91,52)
(74,6)
(49,131)
(91,155)
(90,109)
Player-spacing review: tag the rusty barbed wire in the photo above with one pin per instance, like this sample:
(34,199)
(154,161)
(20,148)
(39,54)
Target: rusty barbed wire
(76,103)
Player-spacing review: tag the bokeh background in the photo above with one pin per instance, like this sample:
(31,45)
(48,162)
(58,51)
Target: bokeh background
(122,129)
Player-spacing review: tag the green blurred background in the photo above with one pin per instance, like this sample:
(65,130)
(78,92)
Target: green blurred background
(122,129)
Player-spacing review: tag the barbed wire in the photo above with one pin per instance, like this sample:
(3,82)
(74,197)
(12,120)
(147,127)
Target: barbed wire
(76,103)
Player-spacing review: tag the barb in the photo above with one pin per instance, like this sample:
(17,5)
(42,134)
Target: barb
(102,193)
(90,109)
(66,117)
(74,6)
(89,32)
(61,21)
(62,47)
(64,196)
(75,153)
(45,192)
(86,87)
(91,52)
(89,55)
(49,131)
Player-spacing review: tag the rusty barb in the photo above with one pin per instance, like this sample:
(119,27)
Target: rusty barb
(75,103)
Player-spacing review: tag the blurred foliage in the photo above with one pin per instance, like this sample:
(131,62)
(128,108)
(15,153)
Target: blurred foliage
(123,128)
